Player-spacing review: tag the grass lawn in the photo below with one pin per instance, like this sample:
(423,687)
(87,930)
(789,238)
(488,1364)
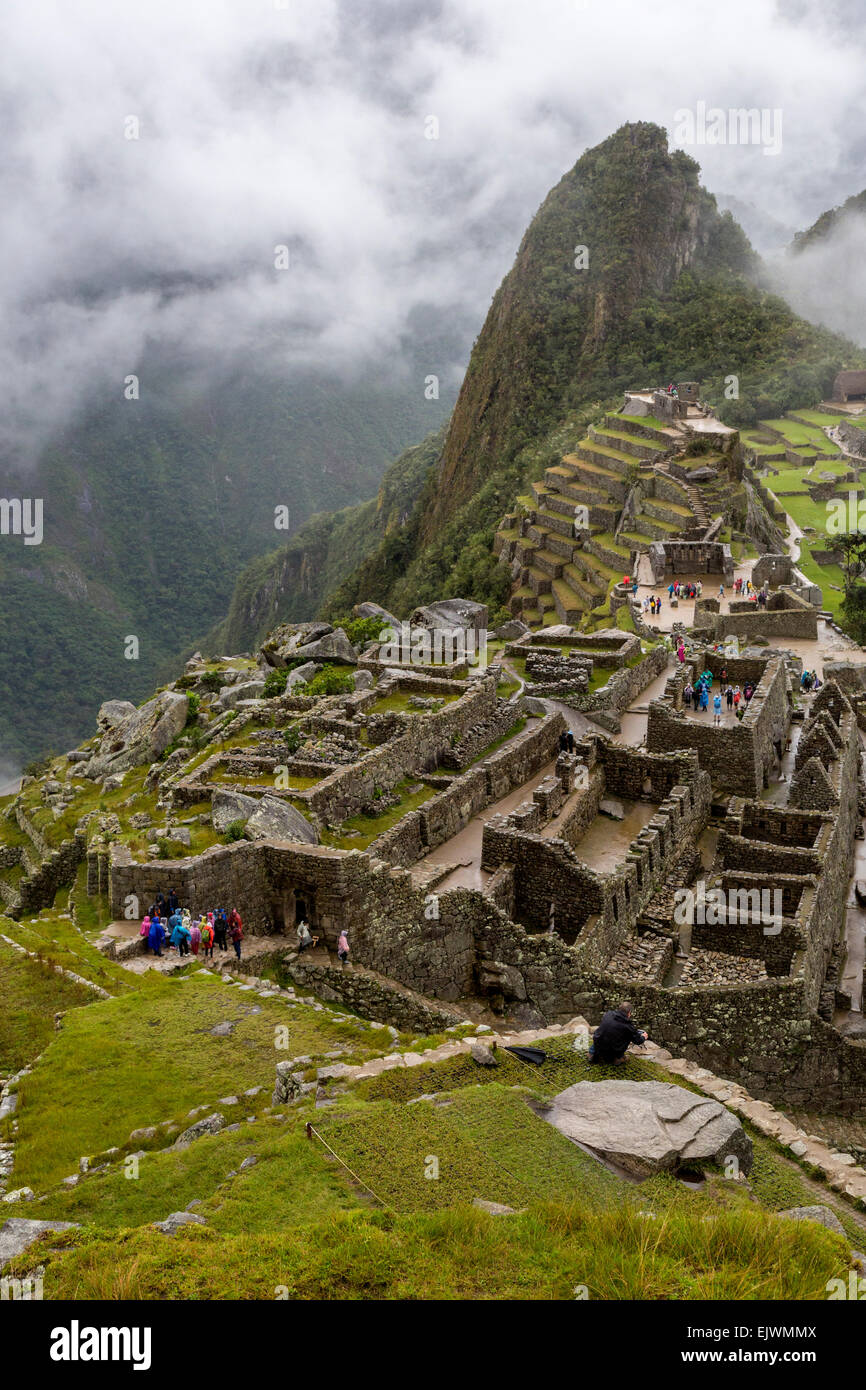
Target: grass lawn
(546,1252)
(798,434)
(297,1225)
(820,418)
(31,995)
(57,940)
(399,703)
(133,1061)
(651,420)
(367,828)
(288,1185)
(824,576)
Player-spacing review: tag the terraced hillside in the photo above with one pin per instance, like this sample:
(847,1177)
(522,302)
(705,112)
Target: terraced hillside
(805,469)
(579,530)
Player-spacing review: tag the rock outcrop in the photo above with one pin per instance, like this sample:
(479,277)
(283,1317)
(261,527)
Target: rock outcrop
(265,818)
(649,1126)
(18,1233)
(274,819)
(212,1124)
(133,736)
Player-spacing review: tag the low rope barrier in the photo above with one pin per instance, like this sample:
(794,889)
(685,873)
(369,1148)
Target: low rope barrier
(311,1130)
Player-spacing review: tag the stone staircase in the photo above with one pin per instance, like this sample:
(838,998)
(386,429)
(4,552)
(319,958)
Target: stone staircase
(696,502)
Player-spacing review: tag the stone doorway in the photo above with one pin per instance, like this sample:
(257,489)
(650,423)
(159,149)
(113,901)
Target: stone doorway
(299,905)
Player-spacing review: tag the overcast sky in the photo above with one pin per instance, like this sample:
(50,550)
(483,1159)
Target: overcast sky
(304,125)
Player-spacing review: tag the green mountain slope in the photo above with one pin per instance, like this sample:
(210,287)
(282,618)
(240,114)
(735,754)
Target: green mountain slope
(830,222)
(151,510)
(672,289)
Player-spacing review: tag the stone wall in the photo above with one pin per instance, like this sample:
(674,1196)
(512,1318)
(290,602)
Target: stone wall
(550,881)
(266,881)
(786,615)
(38,889)
(608,648)
(370,995)
(738,757)
(772,570)
(420,748)
(480,736)
(434,822)
(625,685)
(669,558)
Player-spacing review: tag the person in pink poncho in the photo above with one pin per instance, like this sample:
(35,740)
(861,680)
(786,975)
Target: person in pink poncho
(195,938)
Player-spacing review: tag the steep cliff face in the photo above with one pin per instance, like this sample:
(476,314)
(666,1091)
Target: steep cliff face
(554,325)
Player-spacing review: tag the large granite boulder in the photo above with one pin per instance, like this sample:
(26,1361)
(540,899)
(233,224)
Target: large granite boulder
(113,712)
(823,1215)
(275,819)
(373,610)
(134,736)
(511,630)
(334,646)
(451,613)
(283,643)
(299,675)
(649,1126)
(850,676)
(241,690)
(228,807)
(212,1124)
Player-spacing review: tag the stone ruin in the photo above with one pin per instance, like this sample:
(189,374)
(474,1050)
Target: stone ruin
(580,855)
(773,571)
(849,385)
(739,757)
(670,558)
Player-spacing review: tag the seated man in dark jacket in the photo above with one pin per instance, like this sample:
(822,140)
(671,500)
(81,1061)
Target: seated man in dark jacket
(613,1035)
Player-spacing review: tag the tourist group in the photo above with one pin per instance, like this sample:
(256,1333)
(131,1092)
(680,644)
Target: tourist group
(169,925)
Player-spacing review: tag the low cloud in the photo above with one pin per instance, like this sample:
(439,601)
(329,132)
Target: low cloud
(826,282)
(306,127)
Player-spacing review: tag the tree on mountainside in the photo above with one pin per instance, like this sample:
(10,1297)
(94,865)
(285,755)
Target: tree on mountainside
(852,545)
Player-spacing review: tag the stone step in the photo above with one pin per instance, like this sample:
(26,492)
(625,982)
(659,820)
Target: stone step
(644,428)
(568,606)
(588,592)
(561,479)
(596,471)
(556,521)
(548,563)
(591,567)
(537,581)
(560,545)
(610,552)
(601,456)
(671,512)
(556,503)
(623,443)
